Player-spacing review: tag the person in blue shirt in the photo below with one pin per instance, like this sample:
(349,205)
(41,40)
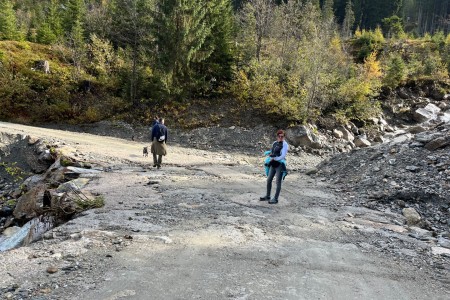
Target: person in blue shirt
(154,122)
(159,140)
(276,165)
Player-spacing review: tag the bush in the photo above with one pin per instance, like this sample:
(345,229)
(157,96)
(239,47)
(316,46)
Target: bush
(395,71)
(268,95)
(368,42)
(355,95)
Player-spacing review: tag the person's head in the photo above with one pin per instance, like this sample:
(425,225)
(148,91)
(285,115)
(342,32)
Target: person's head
(161,120)
(280,135)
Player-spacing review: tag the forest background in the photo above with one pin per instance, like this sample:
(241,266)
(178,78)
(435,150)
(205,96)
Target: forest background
(295,61)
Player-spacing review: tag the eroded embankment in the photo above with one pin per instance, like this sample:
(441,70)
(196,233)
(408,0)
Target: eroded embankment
(39,189)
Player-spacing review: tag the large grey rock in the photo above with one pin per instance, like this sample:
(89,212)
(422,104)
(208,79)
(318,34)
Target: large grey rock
(29,204)
(362,142)
(411,215)
(73,185)
(30,232)
(440,142)
(426,113)
(416,129)
(348,136)
(338,133)
(426,137)
(300,136)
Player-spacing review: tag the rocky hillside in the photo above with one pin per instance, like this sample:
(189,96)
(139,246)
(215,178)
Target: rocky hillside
(412,171)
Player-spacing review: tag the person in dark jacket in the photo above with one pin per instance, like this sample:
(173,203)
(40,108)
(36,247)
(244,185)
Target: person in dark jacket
(159,140)
(154,122)
(276,164)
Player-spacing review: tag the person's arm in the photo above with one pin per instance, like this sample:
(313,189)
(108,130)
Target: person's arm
(283,152)
(167,134)
(154,132)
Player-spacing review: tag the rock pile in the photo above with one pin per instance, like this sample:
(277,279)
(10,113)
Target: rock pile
(409,175)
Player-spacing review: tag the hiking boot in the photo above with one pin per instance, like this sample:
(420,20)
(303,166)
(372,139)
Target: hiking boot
(273,201)
(158,166)
(264,198)
(154,166)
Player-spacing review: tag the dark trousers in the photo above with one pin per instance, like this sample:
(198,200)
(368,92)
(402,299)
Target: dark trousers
(272,172)
(157,159)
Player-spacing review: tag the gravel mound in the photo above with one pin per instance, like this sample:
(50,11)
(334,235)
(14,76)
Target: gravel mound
(397,175)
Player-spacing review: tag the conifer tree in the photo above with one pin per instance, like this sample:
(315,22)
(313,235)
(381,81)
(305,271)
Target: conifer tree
(75,13)
(131,31)
(76,45)
(349,20)
(8,22)
(187,33)
(54,18)
(44,34)
(50,29)
(327,10)
(315,3)
(217,67)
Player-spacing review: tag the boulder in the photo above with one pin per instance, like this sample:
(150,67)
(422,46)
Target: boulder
(362,142)
(411,215)
(27,206)
(416,129)
(426,113)
(426,137)
(440,142)
(300,136)
(348,136)
(338,133)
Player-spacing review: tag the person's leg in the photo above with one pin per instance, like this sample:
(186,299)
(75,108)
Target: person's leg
(155,161)
(270,176)
(159,161)
(278,190)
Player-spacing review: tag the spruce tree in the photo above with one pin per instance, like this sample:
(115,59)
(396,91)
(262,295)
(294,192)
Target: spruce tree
(75,13)
(8,22)
(44,34)
(349,20)
(187,34)
(54,18)
(217,67)
(131,31)
(327,10)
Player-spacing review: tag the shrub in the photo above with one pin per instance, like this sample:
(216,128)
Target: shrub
(85,204)
(395,71)
(368,42)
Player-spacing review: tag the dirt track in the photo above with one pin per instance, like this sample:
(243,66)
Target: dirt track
(196,230)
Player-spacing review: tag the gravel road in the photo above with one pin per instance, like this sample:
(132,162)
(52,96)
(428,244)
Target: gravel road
(195,229)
